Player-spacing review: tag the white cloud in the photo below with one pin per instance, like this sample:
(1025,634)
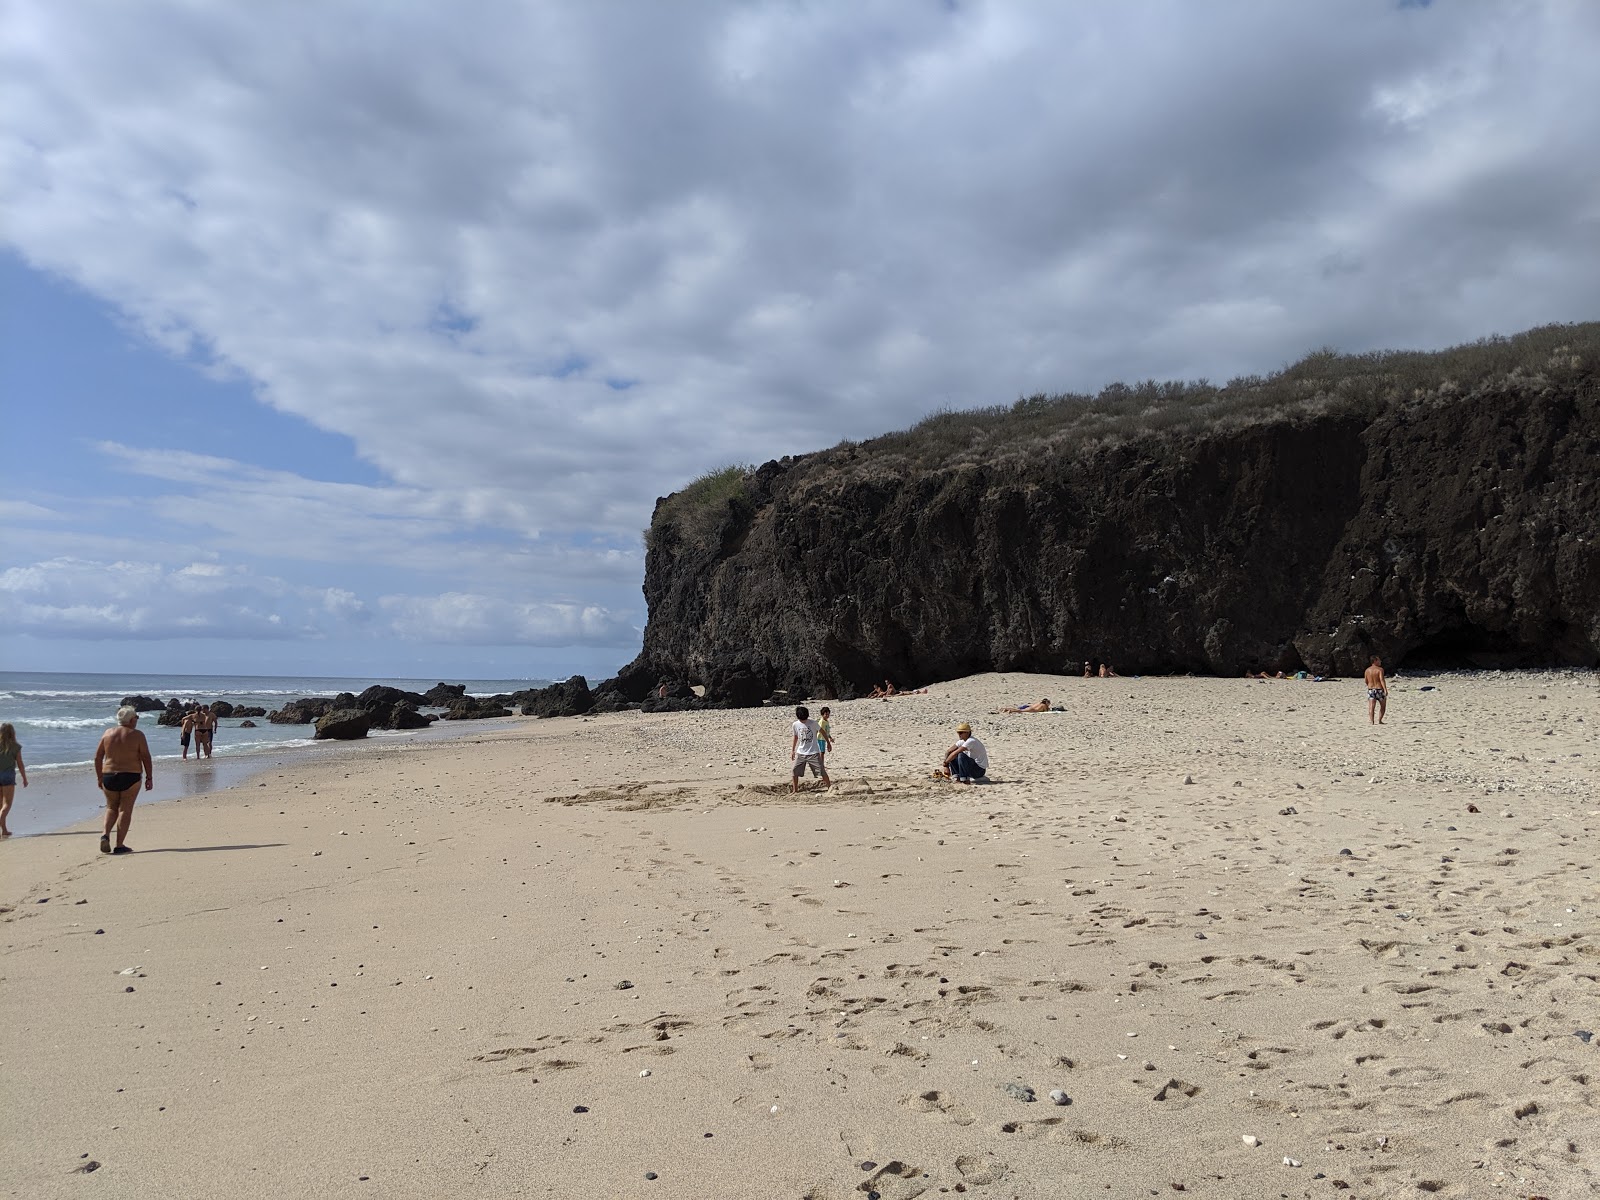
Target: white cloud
(67,597)
(543,263)
(485,620)
(77,598)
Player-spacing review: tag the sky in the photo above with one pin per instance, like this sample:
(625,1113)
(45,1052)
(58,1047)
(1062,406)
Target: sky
(360,337)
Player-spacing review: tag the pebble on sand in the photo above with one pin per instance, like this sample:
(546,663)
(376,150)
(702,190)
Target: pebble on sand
(1250,1139)
(1057,1096)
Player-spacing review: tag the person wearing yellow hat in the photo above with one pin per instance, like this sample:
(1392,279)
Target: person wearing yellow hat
(967,761)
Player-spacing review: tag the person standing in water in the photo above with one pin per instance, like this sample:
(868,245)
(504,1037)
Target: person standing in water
(119,759)
(11,766)
(1377,692)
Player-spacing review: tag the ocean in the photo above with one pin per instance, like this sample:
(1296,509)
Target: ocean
(59,718)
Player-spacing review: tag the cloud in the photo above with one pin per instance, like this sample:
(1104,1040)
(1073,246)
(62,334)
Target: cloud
(76,598)
(485,620)
(67,597)
(543,263)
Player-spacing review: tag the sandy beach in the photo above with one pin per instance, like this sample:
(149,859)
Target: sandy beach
(1262,947)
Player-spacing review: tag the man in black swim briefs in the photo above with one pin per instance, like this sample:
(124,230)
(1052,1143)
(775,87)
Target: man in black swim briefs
(119,760)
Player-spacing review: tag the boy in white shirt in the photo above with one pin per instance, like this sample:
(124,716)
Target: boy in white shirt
(804,751)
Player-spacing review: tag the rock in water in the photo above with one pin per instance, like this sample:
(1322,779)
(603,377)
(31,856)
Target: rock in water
(345,725)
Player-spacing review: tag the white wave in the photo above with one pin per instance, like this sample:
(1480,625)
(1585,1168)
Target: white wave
(66,722)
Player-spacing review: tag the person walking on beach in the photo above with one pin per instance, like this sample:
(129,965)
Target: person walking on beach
(803,750)
(119,759)
(824,735)
(968,760)
(186,730)
(11,766)
(1377,692)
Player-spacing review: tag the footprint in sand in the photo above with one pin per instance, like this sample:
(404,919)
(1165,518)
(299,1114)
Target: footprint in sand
(936,1103)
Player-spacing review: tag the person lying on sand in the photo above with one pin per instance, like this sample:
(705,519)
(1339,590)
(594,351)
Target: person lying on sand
(1039,706)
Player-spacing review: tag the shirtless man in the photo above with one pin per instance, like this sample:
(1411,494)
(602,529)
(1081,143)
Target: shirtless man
(1377,692)
(1041,706)
(120,758)
(186,731)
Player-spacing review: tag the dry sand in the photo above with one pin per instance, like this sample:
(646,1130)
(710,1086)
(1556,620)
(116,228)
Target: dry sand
(556,957)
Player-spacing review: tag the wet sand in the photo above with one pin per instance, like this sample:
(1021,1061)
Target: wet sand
(402,973)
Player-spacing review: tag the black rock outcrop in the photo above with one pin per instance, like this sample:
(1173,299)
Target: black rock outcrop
(305,710)
(475,708)
(442,695)
(1439,509)
(143,703)
(569,698)
(344,724)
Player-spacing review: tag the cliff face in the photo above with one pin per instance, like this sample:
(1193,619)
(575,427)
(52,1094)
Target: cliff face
(1451,525)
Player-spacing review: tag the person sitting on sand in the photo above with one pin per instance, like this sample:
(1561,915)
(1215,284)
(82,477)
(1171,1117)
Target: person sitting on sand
(803,750)
(11,766)
(1106,672)
(1377,692)
(1038,706)
(1088,670)
(119,759)
(967,761)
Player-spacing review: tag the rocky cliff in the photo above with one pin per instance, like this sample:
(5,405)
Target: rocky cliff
(1432,508)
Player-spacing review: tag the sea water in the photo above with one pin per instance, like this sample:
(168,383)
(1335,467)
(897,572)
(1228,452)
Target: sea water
(59,718)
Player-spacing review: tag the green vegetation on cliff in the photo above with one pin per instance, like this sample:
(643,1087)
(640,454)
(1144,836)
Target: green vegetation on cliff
(1322,383)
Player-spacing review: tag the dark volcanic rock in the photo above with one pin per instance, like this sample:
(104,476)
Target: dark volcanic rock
(403,716)
(344,724)
(379,697)
(247,724)
(442,695)
(675,704)
(472,708)
(250,711)
(611,700)
(304,710)
(144,703)
(222,708)
(569,698)
(1434,509)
